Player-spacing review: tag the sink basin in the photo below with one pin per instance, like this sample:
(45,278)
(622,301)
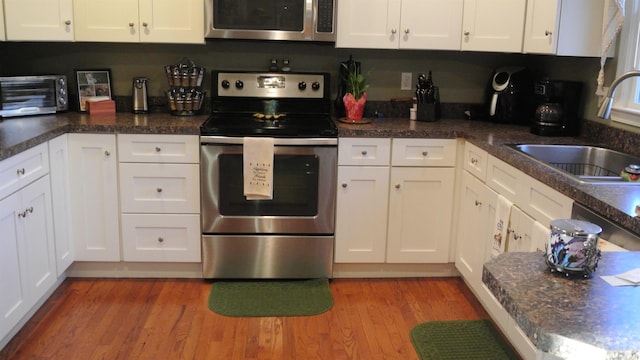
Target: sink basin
(583,163)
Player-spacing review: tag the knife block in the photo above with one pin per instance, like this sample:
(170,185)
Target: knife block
(427,112)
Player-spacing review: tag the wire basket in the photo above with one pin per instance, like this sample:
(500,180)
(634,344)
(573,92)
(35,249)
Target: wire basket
(581,169)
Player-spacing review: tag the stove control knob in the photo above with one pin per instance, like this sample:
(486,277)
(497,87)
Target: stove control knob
(239,84)
(302,85)
(225,84)
(315,86)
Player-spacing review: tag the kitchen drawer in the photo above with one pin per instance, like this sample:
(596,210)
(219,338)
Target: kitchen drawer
(504,179)
(159,188)
(475,161)
(159,148)
(544,203)
(161,237)
(23,168)
(423,152)
(364,151)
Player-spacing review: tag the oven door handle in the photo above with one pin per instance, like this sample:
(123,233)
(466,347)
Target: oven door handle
(276,141)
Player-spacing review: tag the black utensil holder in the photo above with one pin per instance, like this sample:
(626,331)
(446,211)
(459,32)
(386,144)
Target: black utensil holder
(427,112)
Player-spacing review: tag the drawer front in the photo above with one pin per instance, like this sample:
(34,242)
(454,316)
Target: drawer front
(23,168)
(159,188)
(423,152)
(159,148)
(475,161)
(364,151)
(504,179)
(544,203)
(161,238)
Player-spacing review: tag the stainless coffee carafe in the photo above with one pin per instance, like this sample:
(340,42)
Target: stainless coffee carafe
(139,95)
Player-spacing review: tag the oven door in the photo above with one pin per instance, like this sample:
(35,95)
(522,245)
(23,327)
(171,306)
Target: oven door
(304,178)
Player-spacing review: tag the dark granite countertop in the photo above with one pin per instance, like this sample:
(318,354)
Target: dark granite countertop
(613,202)
(573,318)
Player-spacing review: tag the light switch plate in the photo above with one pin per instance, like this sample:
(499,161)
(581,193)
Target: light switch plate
(405,82)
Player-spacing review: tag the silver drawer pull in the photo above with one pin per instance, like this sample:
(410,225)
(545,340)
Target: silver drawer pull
(474,161)
(29,210)
(145,24)
(425,153)
(107,153)
(131,24)
(344,186)
(159,190)
(20,171)
(478,203)
(364,152)
(161,240)
(158,149)
(67,22)
(397,186)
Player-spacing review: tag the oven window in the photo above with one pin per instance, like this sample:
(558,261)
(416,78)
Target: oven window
(295,187)
(286,15)
(23,94)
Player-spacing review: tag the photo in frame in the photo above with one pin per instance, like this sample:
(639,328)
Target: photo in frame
(93,85)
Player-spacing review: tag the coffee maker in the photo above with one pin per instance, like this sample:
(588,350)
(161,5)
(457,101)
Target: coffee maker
(510,95)
(558,108)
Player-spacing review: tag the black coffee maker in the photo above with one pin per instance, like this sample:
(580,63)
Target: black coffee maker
(558,108)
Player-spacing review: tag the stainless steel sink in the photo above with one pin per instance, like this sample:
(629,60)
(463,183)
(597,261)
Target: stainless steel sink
(583,163)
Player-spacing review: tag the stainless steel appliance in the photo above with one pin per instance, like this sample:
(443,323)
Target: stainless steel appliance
(298,20)
(33,95)
(291,235)
(558,108)
(510,95)
(139,95)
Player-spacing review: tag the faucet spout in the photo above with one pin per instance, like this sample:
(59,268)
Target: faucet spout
(605,109)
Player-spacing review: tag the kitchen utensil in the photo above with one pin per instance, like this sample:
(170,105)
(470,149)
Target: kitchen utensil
(139,95)
(573,247)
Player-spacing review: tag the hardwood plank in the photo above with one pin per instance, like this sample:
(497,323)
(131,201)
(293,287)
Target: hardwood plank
(169,319)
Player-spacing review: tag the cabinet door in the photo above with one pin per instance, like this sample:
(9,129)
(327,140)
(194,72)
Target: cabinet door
(361,214)
(420,213)
(52,21)
(61,202)
(520,237)
(167,21)
(95,228)
(431,24)
(2,34)
(373,24)
(540,33)
(107,20)
(13,295)
(493,25)
(38,238)
(476,200)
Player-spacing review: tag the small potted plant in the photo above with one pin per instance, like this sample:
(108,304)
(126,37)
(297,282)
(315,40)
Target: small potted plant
(356,96)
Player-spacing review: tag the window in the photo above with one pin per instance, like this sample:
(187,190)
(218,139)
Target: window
(626,106)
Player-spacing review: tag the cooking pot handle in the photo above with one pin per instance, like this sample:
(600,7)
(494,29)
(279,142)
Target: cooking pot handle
(492,107)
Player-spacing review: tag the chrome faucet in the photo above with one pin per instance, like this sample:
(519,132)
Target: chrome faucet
(605,109)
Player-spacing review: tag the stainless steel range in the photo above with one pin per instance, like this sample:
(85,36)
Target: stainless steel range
(290,235)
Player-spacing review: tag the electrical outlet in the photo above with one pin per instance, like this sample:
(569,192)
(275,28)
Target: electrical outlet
(405,82)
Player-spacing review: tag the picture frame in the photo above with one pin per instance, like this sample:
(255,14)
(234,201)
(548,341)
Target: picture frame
(93,85)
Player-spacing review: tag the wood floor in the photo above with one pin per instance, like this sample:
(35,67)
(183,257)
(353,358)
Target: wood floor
(169,319)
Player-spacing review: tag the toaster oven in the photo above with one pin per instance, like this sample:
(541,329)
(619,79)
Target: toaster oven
(33,95)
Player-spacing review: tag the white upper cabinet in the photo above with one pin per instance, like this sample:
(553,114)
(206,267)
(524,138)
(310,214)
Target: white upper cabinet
(52,20)
(564,27)
(493,25)
(2,36)
(404,24)
(158,21)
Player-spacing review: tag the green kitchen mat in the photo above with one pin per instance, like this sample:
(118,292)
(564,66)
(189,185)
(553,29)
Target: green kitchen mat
(460,339)
(270,297)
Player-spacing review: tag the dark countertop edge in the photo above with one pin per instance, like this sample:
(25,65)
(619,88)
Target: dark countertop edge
(544,340)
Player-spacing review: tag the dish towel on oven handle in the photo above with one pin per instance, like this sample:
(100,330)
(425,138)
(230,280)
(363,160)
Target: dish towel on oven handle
(499,232)
(257,168)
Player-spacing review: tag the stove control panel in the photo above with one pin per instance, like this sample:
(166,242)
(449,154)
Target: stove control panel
(271,85)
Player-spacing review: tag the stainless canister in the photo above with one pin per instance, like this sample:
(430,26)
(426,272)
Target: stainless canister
(573,247)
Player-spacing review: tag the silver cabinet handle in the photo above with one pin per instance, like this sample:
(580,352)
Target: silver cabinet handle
(344,185)
(22,214)
(548,33)
(425,153)
(397,186)
(159,190)
(158,149)
(20,171)
(466,33)
(67,22)
(107,153)
(145,24)
(406,31)
(393,31)
(131,24)
(478,203)
(474,161)
(161,240)
(29,210)
(364,152)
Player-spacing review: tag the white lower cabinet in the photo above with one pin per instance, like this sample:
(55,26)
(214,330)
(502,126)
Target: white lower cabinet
(160,198)
(532,202)
(27,259)
(394,211)
(93,178)
(61,200)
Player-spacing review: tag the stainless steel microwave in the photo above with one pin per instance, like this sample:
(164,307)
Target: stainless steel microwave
(294,20)
(33,95)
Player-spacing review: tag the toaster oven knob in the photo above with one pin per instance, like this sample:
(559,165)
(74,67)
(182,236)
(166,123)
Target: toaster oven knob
(315,86)
(239,84)
(302,85)
(62,101)
(225,84)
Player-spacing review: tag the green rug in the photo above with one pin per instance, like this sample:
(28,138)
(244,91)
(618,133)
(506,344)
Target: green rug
(270,297)
(462,339)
